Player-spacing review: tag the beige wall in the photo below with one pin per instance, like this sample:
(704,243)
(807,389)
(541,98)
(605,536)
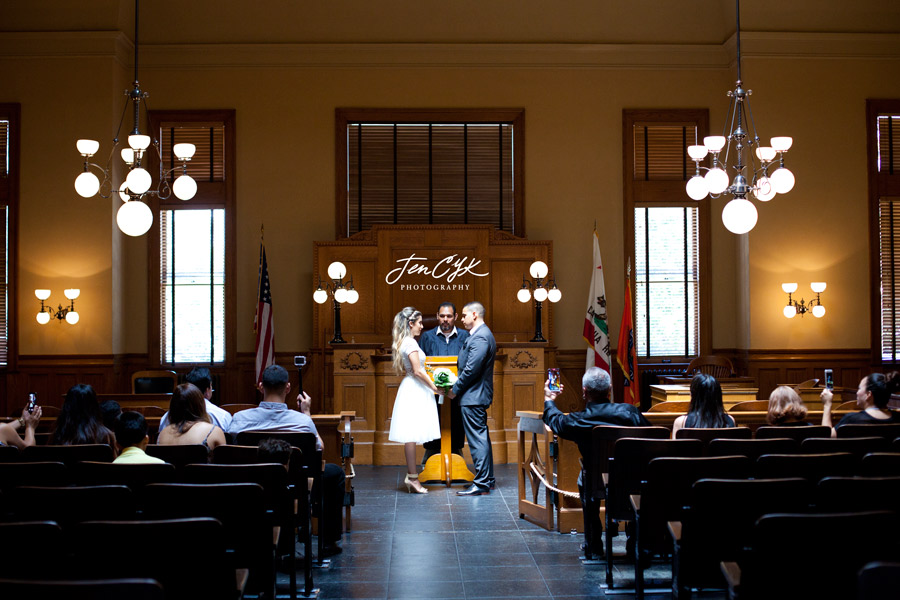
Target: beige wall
(285,95)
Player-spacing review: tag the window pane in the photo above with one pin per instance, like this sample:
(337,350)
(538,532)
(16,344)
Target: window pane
(888,144)
(666,281)
(208,162)
(192,285)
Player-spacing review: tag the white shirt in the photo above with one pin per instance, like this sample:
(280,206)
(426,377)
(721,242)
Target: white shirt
(219,416)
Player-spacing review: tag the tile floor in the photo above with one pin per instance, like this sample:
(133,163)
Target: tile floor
(440,545)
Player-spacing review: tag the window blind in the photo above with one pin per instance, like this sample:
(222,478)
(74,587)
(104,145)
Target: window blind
(4,286)
(430,173)
(208,162)
(660,151)
(888,131)
(4,148)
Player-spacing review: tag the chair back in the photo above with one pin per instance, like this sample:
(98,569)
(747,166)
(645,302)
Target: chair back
(717,366)
(9,454)
(38,473)
(234,455)
(154,382)
(670,406)
(149,411)
(603,438)
(272,477)
(30,550)
(236,408)
(135,476)
(69,455)
(848,406)
(706,435)
(811,466)
(750,405)
(253,438)
(858,447)
(889,431)
(68,505)
(857,493)
(798,432)
(880,464)
(180,456)
(133,589)
(752,449)
(172,552)
(809,543)
(879,580)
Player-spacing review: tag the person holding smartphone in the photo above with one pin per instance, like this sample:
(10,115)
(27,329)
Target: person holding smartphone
(872,397)
(9,435)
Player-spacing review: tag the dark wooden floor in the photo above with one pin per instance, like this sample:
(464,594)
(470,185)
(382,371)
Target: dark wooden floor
(443,546)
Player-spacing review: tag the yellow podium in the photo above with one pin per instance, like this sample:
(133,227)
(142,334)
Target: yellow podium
(445,467)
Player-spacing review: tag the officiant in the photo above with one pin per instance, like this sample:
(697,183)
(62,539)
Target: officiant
(445,340)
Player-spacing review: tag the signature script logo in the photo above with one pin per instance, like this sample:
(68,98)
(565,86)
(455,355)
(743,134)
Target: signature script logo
(448,268)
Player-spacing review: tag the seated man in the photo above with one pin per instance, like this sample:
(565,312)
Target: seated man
(273,414)
(200,377)
(132,439)
(577,426)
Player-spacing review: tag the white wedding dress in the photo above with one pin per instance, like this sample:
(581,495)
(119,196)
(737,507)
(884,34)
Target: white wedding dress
(415,417)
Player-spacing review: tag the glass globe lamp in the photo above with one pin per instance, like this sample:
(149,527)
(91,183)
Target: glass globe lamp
(739,216)
(134,218)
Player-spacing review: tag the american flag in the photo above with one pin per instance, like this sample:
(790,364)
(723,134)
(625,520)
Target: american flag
(265,336)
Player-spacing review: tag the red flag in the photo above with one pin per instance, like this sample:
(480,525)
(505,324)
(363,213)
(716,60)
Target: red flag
(265,336)
(626,353)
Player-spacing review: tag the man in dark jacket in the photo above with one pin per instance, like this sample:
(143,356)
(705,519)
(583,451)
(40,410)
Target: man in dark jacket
(577,426)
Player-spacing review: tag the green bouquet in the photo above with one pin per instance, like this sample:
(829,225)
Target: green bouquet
(443,377)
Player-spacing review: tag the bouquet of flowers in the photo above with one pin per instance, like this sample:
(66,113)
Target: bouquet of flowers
(443,377)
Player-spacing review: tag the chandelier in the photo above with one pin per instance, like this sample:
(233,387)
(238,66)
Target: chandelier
(739,214)
(134,217)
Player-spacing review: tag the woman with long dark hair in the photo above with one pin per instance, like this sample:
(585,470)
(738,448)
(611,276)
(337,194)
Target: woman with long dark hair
(189,423)
(706,410)
(79,420)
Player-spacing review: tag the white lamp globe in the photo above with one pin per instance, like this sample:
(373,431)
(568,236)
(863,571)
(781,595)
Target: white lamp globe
(337,270)
(352,296)
(789,288)
(134,218)
(71,317)
(817,286)
(127,156)
(87,184)
(697,152)
(184,187)
(42,294)
(764,190)
(538,269)
(781,143)
(716,180)
(696,187)
(782,180)
(765,153)
(138,180)
(714,143)
(87,147)
(739,216)
(790,311)
(320,296)
(184,151)
(340,295)
(523,295)
(123,192)
(139,142)
(554,295)
(540,294)
(818,311)
(43,318)
(72,293)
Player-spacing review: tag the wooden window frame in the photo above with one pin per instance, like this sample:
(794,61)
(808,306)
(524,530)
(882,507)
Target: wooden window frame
(660,193)
(346,116)
(9,195)
(880,185)
(216,194)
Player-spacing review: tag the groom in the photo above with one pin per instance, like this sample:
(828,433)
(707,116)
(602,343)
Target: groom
(475,389)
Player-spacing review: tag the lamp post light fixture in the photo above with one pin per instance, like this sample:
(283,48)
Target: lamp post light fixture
(740,215)
(61,312)
(341,292)
(793,308)
(541,290)
(134,217)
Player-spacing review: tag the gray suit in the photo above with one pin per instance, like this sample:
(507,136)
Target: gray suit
(475,389)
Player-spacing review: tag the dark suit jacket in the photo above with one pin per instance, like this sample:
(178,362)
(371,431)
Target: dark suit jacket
(475,379)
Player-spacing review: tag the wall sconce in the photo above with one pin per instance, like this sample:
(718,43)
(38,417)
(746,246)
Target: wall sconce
(341,292)
(62,312)
(815,305)
(542,291)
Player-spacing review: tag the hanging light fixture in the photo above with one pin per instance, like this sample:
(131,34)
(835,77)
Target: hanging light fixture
(740,215)
(134,217)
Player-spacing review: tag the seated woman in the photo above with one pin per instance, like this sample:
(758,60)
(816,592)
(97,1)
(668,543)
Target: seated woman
(189,423)
(786,409)
(79,421)
(706,410)
(9,435)
(872,397)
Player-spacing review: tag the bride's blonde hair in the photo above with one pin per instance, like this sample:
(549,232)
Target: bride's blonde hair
(400,331)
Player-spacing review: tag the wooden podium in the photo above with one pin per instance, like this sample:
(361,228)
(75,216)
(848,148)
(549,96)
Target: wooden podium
(445,467)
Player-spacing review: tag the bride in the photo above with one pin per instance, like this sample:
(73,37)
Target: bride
(415,419)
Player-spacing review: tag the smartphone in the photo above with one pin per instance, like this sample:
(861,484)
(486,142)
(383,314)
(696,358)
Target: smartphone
(32,402)
(829,379)
(553,377)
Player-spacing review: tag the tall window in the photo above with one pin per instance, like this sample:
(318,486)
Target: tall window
(9,171)
(429,167)
(667,233)
(194,279)
(883,125)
